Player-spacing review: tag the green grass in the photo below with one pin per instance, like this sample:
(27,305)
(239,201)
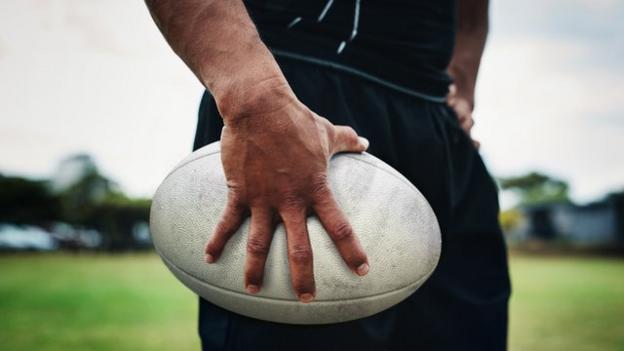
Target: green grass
(65,302)
(99,302)
(567,304)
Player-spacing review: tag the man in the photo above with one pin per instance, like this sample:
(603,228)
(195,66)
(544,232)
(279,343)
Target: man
(379,68)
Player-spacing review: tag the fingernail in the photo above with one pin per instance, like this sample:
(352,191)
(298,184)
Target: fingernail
(364,142)
(362,269)
(252,289)
(306,297)
(209,258)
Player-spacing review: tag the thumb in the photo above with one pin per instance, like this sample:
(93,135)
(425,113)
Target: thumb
(346,140)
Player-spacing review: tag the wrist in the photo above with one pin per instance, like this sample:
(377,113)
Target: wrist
(254,96)
(250,83)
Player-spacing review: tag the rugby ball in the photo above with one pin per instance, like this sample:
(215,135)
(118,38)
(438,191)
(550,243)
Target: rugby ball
(394,223)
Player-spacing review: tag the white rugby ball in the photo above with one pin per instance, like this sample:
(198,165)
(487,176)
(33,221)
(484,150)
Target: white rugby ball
(394,223)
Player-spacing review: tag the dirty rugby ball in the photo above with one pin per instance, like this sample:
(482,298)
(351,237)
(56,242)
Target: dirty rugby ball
(394,223)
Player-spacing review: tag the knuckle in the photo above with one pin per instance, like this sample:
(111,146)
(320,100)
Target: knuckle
(318,185)
(300,254)
(324,126)
(291,200)
(234,189)
(348,131)
(322,120)
(224,227)
(350,134)
(257,247)
(342,231)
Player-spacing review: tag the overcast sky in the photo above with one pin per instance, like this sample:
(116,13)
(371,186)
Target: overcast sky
(97,77)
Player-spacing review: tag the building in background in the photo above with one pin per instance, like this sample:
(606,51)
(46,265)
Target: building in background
(599,223)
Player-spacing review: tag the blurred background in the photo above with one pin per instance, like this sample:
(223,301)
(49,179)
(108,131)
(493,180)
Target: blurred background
(95,109)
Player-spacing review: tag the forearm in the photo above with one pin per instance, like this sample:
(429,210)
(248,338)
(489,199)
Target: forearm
(471,36)
(220,44)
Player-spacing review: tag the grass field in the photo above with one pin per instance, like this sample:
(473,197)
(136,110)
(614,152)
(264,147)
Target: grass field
(99,302)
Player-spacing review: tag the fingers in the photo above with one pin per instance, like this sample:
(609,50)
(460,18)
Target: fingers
(231,220)
(258,244)
(462,108)
(452,90)
(466,122)
(339,229)
(345,139)
(299,253)
(452,94)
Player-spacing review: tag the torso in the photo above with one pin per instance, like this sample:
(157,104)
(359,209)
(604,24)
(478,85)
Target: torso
(406,44)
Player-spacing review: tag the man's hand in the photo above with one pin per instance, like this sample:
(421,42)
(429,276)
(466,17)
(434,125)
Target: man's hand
(275,158)
(463,109)
(274,149)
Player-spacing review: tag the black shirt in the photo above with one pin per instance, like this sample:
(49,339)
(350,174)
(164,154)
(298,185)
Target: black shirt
(404,44)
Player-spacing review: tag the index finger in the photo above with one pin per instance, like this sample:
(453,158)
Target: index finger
(230,221)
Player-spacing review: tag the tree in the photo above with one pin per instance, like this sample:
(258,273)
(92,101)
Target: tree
(536,188)
(27,201)
(89,199)
(80,188)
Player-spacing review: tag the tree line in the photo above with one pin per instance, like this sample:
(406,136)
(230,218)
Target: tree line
(89,200)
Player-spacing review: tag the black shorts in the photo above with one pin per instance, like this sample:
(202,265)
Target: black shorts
(463,305)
